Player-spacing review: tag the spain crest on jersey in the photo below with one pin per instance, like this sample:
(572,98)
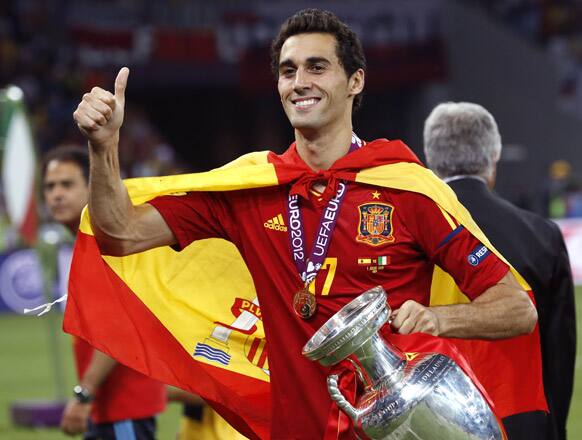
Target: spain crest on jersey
(375,227)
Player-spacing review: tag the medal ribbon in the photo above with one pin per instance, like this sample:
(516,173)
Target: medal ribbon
(308,268)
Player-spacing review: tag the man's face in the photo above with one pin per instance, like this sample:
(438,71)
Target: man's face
(313,86)
(65,192)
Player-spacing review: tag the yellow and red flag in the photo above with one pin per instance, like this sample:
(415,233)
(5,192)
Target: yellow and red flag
(191,318)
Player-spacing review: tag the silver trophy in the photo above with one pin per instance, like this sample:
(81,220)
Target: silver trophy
(428,397)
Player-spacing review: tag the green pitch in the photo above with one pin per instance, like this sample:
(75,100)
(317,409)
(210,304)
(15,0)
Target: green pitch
(575,414)
(26,372)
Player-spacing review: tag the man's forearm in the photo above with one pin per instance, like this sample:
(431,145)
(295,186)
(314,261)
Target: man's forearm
(109,205)
(502,311)
(99,368)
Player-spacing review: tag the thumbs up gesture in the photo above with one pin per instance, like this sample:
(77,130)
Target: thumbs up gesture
(100,114)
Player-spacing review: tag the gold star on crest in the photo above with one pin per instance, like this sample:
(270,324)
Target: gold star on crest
(376,195)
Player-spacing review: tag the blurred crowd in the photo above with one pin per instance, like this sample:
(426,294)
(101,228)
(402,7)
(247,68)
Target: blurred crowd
(557,26)
(562,34)
(38,55)
(563,196)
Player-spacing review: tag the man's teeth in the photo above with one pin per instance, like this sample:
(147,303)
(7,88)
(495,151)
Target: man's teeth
(306,102)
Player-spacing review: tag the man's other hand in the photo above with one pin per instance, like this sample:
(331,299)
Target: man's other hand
(413,317)
(75,417)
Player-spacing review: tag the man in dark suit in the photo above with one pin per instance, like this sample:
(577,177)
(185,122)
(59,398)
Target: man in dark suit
(462,146)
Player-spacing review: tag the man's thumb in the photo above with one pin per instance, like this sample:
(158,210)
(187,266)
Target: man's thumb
(121,84)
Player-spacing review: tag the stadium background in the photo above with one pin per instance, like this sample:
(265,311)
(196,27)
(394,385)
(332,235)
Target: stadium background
(201,93)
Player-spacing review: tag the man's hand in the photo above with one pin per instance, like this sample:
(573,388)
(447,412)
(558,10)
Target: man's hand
(75,417)
(100,114)
(413,317)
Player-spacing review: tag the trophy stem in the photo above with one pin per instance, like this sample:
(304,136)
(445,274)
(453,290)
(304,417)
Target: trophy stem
(380,361)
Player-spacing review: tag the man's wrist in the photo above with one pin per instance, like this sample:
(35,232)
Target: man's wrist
(104,147)
(82,394)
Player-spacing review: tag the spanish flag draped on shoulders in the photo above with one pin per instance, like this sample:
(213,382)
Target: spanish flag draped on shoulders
(145,309)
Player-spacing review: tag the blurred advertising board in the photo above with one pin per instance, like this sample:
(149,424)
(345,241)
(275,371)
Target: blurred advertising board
(21,280)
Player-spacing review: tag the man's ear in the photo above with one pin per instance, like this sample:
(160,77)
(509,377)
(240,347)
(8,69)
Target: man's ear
(356,82)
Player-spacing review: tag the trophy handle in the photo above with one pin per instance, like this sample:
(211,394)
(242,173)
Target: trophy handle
(338,397)
(366,381)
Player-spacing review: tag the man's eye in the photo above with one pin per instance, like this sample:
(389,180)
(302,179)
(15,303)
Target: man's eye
(317,68)
(287,72)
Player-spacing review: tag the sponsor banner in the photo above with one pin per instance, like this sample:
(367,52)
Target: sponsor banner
(572,231)
(21,281)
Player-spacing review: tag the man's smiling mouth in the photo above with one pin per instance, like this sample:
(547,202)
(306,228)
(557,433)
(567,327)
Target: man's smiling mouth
(305,102)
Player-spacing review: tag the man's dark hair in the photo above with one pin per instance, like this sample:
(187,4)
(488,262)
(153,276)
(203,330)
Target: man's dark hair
(348,47)
(68,153)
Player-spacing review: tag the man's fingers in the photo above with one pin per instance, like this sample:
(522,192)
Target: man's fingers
(407,327)
(121,84)
(102,95)
(92,113)
(89,119)
(103,105)
(68,426)
(400,315)
(97,116)
(413,317)
(84,122)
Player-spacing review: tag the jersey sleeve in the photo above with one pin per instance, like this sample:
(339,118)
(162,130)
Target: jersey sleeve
(449,245)
(195,216)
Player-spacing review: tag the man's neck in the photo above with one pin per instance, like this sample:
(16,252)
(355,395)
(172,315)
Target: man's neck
(320,150)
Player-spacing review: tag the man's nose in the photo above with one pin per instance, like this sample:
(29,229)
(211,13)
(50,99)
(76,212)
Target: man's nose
(302,80)
(56,192)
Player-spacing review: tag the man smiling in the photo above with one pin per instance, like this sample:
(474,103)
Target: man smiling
(305,274)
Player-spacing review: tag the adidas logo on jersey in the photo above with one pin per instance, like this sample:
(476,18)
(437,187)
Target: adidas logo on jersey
(276,223)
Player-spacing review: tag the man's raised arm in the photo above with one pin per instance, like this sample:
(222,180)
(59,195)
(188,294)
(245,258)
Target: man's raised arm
(120,227)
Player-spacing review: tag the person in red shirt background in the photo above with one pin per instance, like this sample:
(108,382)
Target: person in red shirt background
(111,401)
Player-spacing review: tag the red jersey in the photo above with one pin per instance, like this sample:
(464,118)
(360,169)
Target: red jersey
(125,394)
(410,236)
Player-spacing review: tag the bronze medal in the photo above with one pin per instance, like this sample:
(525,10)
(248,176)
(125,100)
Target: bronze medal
(304,303)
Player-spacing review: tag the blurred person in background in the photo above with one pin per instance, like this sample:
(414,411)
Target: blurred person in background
(462,145)
(111,401)
(557,187)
